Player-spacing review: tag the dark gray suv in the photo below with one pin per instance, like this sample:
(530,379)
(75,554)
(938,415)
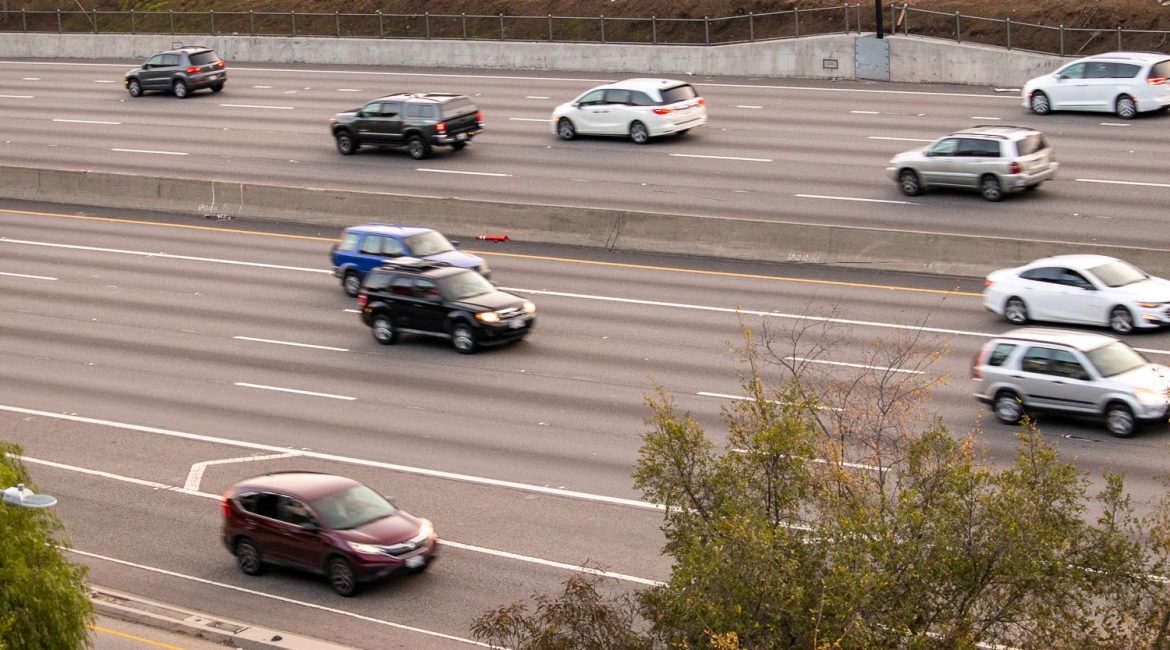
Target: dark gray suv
(415,121)
(180,71)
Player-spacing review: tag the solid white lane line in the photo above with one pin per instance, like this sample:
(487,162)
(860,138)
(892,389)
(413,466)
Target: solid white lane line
(85,121)
(695,155)
(866,112)
(244,384)
(1137,183)
(192,488)
(195,475)
(278,108)
(17,97)
(455,171)
(5,240)
(748,106)
(405,469)
(854,365)
(161,153)
(852,198)
(298,345)
(535,97)
(1114,124)
(528,119)
(883,137)
(30,277)
(283,599)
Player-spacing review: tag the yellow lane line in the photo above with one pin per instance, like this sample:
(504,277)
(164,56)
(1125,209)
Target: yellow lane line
(566,260)
(157,644)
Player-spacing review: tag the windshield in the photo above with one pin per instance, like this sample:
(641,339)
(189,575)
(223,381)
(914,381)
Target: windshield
(428,243)
(461,286)
(1118,274)
(352,508)
(1115,358)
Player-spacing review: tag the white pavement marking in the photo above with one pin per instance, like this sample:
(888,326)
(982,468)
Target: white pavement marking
(84,121)
(283,599)
(1006,90)
(17,97)
(259,86)
(352,311)
(984,117)
(536,97)
(161,153)
(1114,124)
(744,398)
(866,112)
(696,155)
(854,365)
(405,469)
(278,108)
(349,90)
(105,81)
(822,461)
(192,488)
(30,79)
(852,198)
(163,255)
(883,137)
(748,106)
(195,476)
(298,345)
(244,384)
(454,171)
(30,277)
(528,119)
(1137,183)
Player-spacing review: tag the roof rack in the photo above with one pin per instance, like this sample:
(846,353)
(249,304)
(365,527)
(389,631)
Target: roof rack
(413,264)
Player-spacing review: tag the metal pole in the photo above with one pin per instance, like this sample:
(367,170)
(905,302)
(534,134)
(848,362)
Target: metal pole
(426,21)
(846,19)
(706,31)
(602,18)
(464,26)
(550,33)
(752,25)
(501,26)
(171,13)
(796,20)
(337,22)
(132,25)
(24,19)
(879,27)
(1119,37)
(251,23)
(1062,39)
(654,30)
(1008,22)
(382,26)
(211,14)
(293,16)
(95,27)
(958,33)
(905,22)
(58,21)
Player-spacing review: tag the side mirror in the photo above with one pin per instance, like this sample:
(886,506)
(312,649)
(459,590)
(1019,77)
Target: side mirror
(146,66)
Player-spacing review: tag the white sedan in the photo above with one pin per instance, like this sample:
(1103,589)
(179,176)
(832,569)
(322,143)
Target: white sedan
(639,109)
(1082,289)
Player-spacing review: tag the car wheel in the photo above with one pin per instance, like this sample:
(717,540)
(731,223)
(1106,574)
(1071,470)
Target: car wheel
(909,182)
(639,134)
(1120,320)
(341,577)
(463,338)
(346,146)
(1015,311)
(418,148)
(1119,420)
(216,88)
(1126,108)
(1008,407)
(384,330)
(565,129)
(248,557)
(990,188)
(1040,104)
(134,88)
(458,145)
(181,89)
(352,284)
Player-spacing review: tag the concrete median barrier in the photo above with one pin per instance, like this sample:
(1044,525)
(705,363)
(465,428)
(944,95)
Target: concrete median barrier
(622,230)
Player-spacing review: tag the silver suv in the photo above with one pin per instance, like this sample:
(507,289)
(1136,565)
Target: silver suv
(995,160)
(1081,373)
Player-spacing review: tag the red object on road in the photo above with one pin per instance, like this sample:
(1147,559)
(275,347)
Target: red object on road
(492,237)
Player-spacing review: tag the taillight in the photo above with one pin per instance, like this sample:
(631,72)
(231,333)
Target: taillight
(441,127)
(976,372)
(702,102)
(479,116)
(663,111)
(1157,81)
(987,284)
(225,507)
(221,64)
(1015,168)
(192,70)
(363,299)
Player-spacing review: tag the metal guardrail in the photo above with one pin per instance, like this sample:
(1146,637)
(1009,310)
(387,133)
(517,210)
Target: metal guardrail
(654,30)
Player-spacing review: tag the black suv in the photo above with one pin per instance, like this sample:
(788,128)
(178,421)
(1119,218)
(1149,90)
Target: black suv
(179,71)
(417,122)
(432,298)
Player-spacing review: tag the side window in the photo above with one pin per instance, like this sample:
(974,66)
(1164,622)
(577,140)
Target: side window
(989,148)
(155,60)
(977,148)
(259,503)
(391,109)
(294,512)
(617,96)
(416,110)
(1125,70)
(425,289)
(1000,354)
(402,285)
(1037,360)
(640,99)
(1073,279)
(372,108)
(595,97)
(1098,70)
(170,60)
(945,147)
(1074,71)
(392,247)
(377,281)
(1065,364)
(1043,274)
(372,245)
(349,241)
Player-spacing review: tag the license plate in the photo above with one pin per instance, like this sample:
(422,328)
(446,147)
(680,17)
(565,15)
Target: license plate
(415,562)
(461,136)
(214,77)
(517,324)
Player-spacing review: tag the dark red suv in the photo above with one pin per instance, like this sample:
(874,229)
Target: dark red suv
(325,524)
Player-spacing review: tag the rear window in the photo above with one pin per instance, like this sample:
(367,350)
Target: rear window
(678,94)
(378,281)
(203,58)
(458,107)
(1160,70)
(1031,144)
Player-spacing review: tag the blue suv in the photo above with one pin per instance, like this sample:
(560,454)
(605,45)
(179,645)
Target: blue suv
(368,246)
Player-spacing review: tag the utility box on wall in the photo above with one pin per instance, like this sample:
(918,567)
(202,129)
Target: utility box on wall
(873,58)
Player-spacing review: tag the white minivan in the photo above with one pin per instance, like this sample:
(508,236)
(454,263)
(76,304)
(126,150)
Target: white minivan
(1125,83)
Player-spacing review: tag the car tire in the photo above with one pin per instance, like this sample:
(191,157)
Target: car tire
(639,133)
(384,330)
(1040,104)
(1121,320)
(1015,311)
(134,87)
(341,577)
(248,557)
(216,88)
(909,182)
(418,148)
(565,129)
(351,284)
(347,145)
(458,145)
(181,89)
(1119,420)
(1125,107)
(990,188)
(463,338)
(1007,407)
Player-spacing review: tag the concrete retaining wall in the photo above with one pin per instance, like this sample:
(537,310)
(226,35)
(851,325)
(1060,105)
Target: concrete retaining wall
(611,229)
(912,58)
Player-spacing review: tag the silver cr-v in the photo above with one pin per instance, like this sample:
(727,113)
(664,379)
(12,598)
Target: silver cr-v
(1083,373)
